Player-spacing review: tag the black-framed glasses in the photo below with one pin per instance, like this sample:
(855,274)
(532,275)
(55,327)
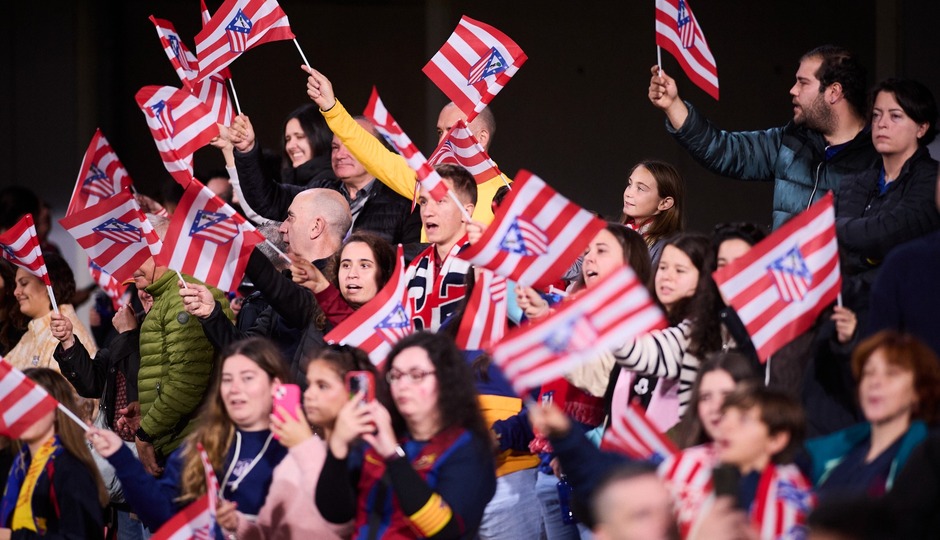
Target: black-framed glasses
(414,376)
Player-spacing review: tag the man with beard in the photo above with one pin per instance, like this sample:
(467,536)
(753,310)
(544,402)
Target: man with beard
(827,139)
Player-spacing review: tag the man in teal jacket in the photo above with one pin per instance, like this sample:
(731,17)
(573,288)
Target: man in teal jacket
(175,363)
(827,139)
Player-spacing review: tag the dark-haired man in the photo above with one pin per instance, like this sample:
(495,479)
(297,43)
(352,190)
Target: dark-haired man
(827,139)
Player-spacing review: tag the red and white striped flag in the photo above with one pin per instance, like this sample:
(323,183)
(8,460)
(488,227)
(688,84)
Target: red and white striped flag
(633,435)
(678,32)
(474,64)
(207,239)
(20,245)
(101,176)
(115,234)
(214,94)
(110,286)
(206,17)
(180,125)
(536,236)
(485,317)
(389,128)
(237,26)
(184,62)
(212,488)
(614,310)
(781,285)
(783,502)
(192,523)
(687,475)
(380,323)
(462,148)
(22,401)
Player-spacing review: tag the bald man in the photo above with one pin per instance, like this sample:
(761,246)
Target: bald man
(389,167)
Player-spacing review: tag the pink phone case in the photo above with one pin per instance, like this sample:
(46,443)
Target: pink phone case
(287,396)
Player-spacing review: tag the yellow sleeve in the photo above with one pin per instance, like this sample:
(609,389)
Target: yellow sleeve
(483,211)
(388,167)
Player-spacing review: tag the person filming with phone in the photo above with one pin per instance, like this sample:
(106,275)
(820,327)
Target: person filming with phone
(420,465)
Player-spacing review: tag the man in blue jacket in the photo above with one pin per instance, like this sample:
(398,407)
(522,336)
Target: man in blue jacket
(827,139)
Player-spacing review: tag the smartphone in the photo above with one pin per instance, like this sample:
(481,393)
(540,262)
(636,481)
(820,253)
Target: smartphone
(361,381)
(727,481)
(287,396)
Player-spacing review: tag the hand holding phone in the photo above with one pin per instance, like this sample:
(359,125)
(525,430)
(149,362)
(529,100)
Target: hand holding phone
(727,481)
(361,381)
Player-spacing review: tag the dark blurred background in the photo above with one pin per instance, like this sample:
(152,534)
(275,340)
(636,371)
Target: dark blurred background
(576,113)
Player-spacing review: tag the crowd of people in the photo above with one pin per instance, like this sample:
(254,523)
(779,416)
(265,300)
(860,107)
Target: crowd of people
(835,435)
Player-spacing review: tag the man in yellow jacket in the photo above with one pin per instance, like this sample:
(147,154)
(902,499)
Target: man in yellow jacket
(390,167)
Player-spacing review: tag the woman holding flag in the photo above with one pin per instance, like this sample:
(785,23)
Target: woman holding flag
(234,429)
(54,489)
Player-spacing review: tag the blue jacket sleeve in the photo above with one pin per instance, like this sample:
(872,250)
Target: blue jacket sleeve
(584,464)
(514,433)
(152,499)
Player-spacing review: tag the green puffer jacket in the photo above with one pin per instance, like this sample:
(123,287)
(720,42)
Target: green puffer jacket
(175,364)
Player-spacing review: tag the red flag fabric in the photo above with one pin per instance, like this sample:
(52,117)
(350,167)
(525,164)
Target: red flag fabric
(485,317)
(633,435)
(191,523)
(381,322)
(614,310)
(678,32)
(20,245)
(206,17)
(460,147)
(474,64)
(688,477)
(101,176)
(536,236)
(781,285)
(783,502)
(207,239)
(184,62)
(180,125)
(108,284)
(213,93)
(115,234)
(212,487)
(389,128)
(236,27)
(22,401)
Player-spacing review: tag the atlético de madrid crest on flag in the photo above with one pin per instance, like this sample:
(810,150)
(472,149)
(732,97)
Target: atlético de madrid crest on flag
(119,231)
(524,238)
(214,227)
(489,64)
(237,31)
(791,275)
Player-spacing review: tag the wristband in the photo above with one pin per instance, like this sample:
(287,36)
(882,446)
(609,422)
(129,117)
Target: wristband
(142,435)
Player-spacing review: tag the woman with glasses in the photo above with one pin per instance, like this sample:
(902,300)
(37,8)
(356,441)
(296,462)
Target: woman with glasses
(420,467)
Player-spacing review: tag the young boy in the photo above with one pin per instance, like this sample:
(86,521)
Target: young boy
(759,434)
(436,277)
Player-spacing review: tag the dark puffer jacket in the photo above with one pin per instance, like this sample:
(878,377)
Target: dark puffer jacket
(385,212)
(175,364)
(794,157)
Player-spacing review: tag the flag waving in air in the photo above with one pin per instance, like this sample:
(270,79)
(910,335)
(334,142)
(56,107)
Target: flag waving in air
(207,239)
(389,128)
(381,322)
(184,62)
(485,317)
(236,27)
(536,236)
(633,435)
(22,401)
(180,125)
(206,17)
(101,176)
(192,523)
(212,488)
(781,285)
(108,284)
(615,309)
(474,64)
(20,245)
(462,148)
(678,32)
(115,234)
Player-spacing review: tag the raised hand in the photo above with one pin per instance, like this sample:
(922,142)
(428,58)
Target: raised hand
(241,133)
(319,89)
(197,299)
(61,328)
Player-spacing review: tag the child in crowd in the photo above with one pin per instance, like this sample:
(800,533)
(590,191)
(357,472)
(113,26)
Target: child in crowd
(652,203)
